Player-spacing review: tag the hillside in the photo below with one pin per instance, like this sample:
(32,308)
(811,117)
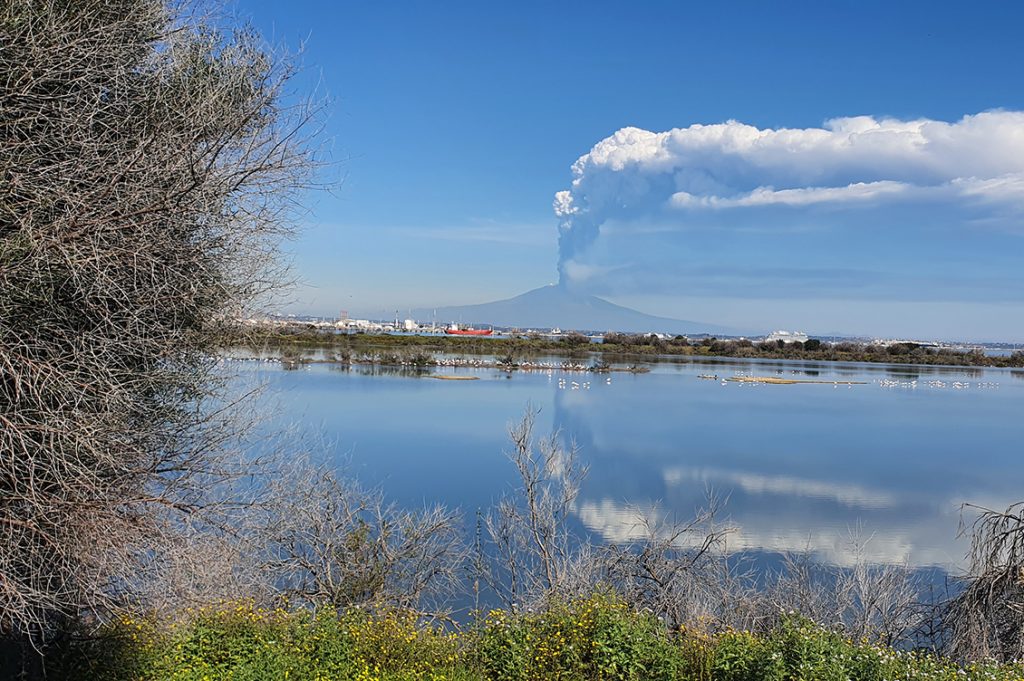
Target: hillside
(555,306)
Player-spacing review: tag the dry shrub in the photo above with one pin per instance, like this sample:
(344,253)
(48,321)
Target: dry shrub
(986,618)
(149,170)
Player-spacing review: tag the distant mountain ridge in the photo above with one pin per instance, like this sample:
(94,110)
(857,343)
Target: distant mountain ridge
(554,306)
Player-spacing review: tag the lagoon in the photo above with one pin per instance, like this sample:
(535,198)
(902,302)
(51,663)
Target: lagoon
(805,467)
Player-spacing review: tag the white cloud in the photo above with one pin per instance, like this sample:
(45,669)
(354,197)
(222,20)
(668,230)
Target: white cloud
(766,196)
(563,204)
(635,175)
(783,485)
(620,523)
(1008,189)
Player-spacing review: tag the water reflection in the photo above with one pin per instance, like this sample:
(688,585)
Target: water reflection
(916,371)
(835,545)
(851,496)
(802,466)
(384,370)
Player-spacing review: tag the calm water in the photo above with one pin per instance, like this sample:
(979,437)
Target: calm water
(803,467)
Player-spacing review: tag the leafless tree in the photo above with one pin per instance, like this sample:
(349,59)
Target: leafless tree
(879,602)
(529,535)
(217,553)
(675,568)
(535,555)
(986,618)
(863,600)
(325,540)
(149,168)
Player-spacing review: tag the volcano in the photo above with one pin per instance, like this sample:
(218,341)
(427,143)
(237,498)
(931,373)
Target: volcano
(555,306)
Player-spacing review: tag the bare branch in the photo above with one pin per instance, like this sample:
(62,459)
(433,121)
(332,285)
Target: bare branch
(149,169)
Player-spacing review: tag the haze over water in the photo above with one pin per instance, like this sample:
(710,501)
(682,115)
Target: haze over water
(802,467)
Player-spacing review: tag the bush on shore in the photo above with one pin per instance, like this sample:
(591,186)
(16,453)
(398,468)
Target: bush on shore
(598,637)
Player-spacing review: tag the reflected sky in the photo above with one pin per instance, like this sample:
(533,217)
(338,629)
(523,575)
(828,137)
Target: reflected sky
(802,467)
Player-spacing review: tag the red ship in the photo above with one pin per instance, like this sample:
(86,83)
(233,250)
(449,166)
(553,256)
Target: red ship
(454,330)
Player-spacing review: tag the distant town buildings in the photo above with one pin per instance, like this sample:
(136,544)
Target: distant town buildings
(787,337)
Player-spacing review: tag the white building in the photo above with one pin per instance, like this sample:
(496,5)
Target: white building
(787,337)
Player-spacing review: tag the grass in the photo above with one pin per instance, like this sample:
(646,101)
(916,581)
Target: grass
(599,637)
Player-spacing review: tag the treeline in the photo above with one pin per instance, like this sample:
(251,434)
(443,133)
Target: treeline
(812,350)
(648,346)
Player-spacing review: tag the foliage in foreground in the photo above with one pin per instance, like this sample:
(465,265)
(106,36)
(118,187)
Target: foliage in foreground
(598,637)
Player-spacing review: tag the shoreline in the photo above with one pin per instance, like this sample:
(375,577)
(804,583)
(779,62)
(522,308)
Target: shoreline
(625,349)
(448,363)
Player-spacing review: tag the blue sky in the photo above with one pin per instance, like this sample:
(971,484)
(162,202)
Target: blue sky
(455,124)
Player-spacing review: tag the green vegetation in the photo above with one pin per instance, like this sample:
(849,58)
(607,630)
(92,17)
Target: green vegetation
(598,637)
(617,345)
